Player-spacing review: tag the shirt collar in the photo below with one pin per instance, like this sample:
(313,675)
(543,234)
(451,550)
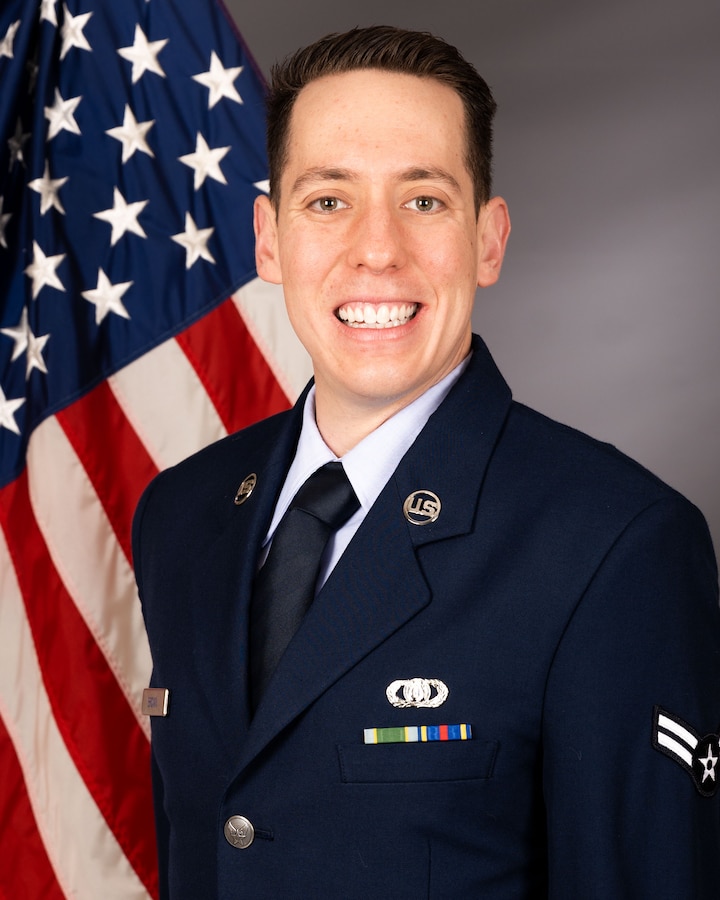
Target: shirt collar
(372,461)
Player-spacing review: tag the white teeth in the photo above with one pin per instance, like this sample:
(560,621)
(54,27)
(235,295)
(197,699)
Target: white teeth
(384,316)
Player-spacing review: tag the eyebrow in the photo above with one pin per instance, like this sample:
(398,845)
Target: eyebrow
(407,176)
(429,173)
(322,173)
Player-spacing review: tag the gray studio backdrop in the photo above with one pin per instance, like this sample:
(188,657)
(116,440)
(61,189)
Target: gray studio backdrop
(607,314)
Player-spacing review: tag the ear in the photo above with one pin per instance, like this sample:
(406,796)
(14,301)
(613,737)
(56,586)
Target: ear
(267,260)
(493,231)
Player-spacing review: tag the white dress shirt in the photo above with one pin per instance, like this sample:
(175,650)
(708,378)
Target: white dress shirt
(368,465)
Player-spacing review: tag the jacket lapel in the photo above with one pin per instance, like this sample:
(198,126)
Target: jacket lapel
(220,578)
(357,608)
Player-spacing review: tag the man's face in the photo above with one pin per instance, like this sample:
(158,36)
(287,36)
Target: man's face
(376,241)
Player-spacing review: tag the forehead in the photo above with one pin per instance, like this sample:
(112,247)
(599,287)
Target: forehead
(375,111)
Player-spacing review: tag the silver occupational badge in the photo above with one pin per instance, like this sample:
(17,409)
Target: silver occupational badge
(422,507)
(245,489)
(419,692)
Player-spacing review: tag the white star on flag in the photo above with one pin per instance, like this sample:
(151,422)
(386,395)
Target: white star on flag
(123,217)
(4,219)
(60,115)
(15,143)
(48,13)
(35,347)
(48,189)
(132,135)
(72,32)
(107,297)
(205,162)
(195,241)
(7,412)
(219,81)
(143,55)
(42,270)
(6,44)
(19,334)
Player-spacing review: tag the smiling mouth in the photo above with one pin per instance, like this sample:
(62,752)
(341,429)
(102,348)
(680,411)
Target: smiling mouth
(363,315)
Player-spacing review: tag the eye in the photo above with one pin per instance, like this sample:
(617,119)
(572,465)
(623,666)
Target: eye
(327,204)
(425,204)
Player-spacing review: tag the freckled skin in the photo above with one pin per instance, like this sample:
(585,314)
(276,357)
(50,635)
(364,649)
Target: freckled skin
(377,208)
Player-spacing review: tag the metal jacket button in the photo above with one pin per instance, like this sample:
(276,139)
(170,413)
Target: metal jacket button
(239,832)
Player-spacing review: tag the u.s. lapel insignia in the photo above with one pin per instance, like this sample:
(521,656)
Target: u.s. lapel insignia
(418,692)
(699,756)
(422,507)
(245,489)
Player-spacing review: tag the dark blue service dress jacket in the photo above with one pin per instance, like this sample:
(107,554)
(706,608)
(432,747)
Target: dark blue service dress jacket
(562,605)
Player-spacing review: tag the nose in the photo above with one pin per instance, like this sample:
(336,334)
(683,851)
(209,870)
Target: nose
(377,242)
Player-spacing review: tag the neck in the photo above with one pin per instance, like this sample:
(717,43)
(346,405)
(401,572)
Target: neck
(343,425)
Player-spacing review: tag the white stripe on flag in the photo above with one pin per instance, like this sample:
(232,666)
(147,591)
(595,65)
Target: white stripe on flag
(89,559)
(167,404)
(87,859)
(262,308)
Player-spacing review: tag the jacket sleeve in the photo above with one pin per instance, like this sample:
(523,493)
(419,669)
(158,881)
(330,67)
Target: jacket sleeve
(624,818)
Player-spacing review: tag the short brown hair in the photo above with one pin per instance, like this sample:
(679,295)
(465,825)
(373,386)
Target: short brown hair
(388,49)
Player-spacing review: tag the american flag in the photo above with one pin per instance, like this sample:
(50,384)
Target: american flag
(133,331)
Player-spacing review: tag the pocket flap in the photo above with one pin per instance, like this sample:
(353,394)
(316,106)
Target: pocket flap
(404,763)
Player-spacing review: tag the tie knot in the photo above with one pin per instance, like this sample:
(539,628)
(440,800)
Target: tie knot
(327,495)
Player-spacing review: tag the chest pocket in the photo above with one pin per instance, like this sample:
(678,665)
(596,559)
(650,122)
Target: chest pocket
(417,762)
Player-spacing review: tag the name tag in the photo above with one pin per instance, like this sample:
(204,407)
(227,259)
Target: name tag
(155,701)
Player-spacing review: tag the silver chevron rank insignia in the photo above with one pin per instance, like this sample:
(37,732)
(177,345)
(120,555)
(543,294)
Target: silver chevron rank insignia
(699,756)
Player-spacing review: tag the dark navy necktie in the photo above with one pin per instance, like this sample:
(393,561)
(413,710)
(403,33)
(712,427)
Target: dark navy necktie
(285,585)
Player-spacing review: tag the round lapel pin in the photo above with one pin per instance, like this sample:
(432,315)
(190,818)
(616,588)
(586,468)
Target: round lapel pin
(245,489)
(422,507)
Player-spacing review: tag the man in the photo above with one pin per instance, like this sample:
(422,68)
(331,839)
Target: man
(507,684)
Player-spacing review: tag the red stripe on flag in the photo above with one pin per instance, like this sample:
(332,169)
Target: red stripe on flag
(99,729)
(111,453)
(443,732)
(19,835)
(220,347)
